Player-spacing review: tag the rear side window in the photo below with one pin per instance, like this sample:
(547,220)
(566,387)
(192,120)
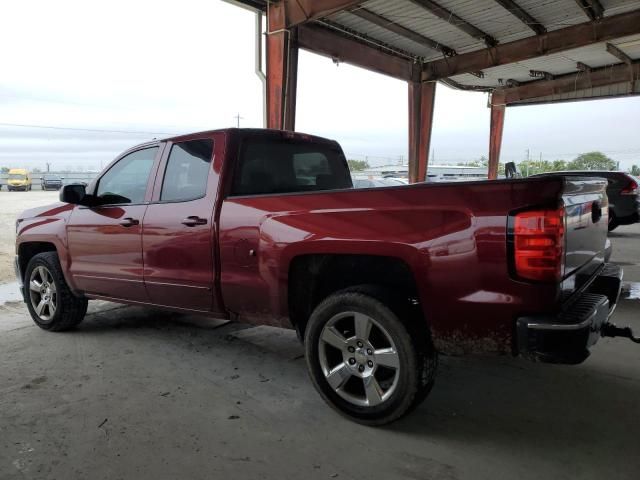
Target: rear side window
(126,181)
(187,171)
(289,166)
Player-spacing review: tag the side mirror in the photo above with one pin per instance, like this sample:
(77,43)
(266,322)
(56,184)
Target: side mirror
(74,193)
(510,170)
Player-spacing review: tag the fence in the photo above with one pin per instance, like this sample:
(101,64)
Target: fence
(67,177)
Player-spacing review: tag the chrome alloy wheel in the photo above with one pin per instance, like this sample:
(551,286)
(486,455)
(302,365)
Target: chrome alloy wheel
(359,359)
(43,293)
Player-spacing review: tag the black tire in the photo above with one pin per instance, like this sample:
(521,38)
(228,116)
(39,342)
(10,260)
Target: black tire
(69,310)
(416,357)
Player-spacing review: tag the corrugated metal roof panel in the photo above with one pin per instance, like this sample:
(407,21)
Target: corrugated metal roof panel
(629,45)
(554,14)
(557,64)
(422,21)
(614,7)
(383,35)
(500,23)
(490,17)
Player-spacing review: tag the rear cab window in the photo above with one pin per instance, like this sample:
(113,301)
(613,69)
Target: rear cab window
(187,171)
(289,166)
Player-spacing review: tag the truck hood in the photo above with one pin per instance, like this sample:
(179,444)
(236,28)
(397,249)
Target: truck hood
(55,209)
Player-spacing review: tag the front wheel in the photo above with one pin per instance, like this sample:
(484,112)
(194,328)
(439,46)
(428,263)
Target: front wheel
(366,362)
(51,303)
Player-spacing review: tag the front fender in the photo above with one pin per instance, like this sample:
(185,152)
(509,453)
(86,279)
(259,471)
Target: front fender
(48,226)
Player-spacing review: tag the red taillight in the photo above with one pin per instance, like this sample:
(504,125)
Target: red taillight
(631,188)
(539,244)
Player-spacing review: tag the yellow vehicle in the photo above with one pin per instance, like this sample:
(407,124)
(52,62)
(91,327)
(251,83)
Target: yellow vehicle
(19,179)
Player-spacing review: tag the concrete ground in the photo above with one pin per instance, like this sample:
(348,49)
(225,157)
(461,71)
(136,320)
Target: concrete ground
(134,393)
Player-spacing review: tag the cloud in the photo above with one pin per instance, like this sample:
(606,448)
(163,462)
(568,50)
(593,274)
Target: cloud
(160,67)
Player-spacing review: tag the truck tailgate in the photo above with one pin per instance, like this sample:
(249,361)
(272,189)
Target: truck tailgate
(586,217)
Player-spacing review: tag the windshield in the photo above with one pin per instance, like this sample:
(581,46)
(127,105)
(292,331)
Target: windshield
(17,176)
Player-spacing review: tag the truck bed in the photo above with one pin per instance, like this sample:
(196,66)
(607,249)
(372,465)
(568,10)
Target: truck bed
(454,237)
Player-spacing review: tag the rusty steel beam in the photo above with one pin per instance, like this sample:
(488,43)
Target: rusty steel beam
(597,77)
(349,50)
(456,21)
(291,93)
(592,8)
(301,11)
(522,15)
(619,54)
(608,28)
(468,88)
(390,25)
(496,128)
(282,71)
(421,103)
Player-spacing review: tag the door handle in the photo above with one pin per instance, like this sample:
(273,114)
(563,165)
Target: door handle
(194,220)
(129,222)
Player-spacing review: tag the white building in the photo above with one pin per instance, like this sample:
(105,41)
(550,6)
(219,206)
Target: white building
(435,173)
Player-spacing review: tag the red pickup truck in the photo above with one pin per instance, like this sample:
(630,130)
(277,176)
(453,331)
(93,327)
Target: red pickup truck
(265,227)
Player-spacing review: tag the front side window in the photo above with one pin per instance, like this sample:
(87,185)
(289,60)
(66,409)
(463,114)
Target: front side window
(126,181)
(289,166)
(187,171)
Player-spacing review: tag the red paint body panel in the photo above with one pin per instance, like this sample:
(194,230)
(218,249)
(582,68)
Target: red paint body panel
(452,237)
(106,257)
(179,262)
(457,253)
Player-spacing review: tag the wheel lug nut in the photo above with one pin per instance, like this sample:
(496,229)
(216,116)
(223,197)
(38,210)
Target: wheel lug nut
(351,349)
(370,363)
(359,343)
(352,361)
(361,368)
(369,351)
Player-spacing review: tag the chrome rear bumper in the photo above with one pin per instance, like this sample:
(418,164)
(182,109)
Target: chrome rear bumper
(567,336)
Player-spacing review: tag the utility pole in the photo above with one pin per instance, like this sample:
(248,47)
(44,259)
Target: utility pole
(540,162)
(527,162)
(48,165)
(238,118)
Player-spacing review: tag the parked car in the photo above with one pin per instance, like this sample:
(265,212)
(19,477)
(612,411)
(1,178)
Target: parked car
(51,182)
(368,183)
(19,179)
(623,193)
(265,227)
(396,180)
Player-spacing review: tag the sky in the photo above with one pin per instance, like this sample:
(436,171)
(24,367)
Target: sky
(123,72)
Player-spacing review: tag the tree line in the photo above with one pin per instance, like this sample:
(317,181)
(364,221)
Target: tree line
(585,161)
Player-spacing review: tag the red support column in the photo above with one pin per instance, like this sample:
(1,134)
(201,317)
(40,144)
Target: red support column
(495,131)
(421,102)
(282,69)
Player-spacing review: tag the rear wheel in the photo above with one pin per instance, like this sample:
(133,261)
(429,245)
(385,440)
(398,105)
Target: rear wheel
(51,303)
(365,361)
